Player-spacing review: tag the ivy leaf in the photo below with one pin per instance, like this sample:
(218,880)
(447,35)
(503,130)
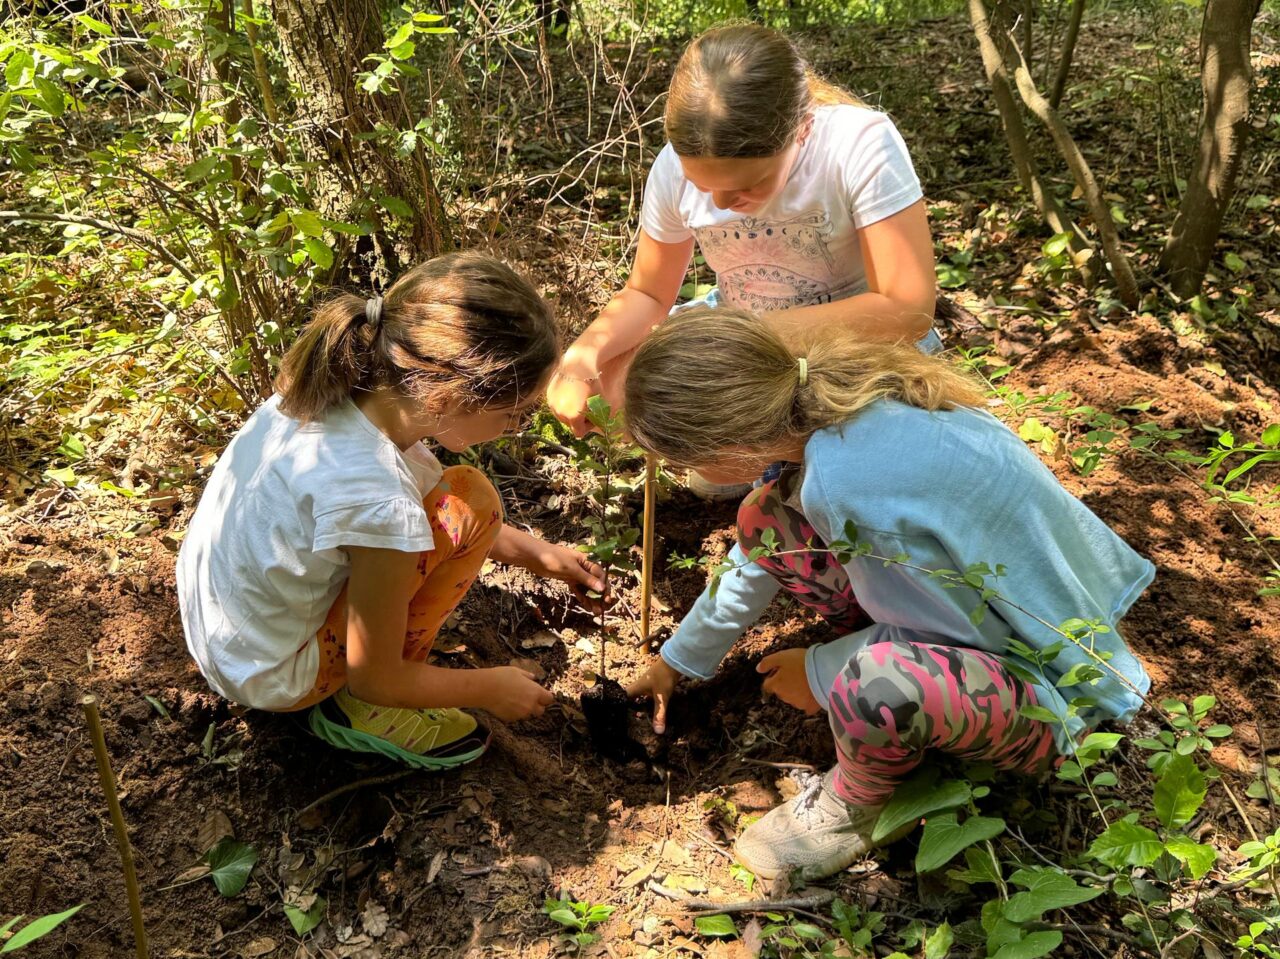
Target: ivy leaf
(918,797)
(1197,857)
(718,925)
(230,863)
(944,837)
(1127,844)
(303,921)
(1046,889)
(1180,792)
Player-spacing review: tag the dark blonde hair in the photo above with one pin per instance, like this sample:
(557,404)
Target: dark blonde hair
(742,90)
(714,379)
(462,327)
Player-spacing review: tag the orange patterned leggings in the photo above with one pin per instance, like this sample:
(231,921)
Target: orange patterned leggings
(466,516)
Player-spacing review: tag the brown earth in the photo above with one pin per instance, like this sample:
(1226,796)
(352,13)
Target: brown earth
(458,864)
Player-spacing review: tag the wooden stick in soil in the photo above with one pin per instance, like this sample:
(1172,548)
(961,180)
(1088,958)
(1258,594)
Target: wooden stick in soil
(108,780)
(647,547)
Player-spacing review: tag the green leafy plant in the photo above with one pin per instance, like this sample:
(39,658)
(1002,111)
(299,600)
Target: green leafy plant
(577,918)
(613,531)
(18,938)
(230,863)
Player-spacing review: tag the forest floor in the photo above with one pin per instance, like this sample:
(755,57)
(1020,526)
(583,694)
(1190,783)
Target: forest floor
(460,864)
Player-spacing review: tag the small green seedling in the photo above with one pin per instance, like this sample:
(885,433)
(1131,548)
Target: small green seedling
(35,929)
(577,918)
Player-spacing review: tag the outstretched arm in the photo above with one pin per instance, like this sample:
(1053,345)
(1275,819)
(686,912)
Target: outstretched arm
(642,304)
(901,285)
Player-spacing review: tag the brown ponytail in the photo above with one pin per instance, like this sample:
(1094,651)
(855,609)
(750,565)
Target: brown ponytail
(462,327)
(711,380)
(742,90)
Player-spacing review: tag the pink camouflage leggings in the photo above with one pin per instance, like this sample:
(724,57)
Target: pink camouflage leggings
(896,700)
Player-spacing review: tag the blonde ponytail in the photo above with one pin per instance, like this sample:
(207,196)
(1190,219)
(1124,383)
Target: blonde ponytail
(824,93)
(711,381)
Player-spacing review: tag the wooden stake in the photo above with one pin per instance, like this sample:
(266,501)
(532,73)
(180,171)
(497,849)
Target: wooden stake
(108,780)
(646,560)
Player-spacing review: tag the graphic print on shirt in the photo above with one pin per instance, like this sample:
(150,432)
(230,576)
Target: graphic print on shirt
(766,264)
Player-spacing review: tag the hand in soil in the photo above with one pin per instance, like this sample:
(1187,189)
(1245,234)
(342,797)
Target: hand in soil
(785,677)
(659,681)
(511,694)
(575,568)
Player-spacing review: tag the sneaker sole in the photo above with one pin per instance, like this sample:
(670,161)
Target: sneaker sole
(344,737)
(831,867)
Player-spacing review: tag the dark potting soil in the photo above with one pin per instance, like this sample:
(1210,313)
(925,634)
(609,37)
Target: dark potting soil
(607,710)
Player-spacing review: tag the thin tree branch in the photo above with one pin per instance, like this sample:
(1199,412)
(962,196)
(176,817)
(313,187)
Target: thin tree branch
(142,239)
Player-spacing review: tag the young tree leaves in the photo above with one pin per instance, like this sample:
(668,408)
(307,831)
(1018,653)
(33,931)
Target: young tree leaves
(1180,792)
(1126,844)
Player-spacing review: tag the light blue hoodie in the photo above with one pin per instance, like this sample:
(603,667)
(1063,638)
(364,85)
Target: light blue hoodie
(948,489)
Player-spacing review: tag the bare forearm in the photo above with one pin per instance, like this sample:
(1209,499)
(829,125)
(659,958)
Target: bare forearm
(415,685)
(875,315)
(515,547)
(621,325)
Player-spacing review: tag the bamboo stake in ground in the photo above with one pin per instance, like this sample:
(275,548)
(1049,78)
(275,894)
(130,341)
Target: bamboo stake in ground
(646,554)
(108,779)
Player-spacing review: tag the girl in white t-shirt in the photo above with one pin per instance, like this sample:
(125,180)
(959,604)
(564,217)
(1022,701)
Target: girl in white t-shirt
(330,546)
(803,202)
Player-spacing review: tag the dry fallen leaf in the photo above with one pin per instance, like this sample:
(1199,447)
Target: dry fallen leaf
(258,947)
(637,875)
(374,919)
(216,825)
(542,639)
(434,869)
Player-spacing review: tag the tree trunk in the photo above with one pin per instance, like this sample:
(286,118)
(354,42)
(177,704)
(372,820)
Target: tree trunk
(1225,78)
(1126,283)
(1068,54)
(1024,162)
(324,43)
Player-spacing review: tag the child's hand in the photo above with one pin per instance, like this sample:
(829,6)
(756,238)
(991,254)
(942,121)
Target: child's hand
(659,682)
(785,678)
(573,567)
(567,397)
(511,694)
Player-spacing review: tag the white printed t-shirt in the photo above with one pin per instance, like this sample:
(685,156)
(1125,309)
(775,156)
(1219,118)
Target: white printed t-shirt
(802,247)
(263,558)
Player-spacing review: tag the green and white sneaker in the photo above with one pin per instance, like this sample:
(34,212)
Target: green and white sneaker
(817,833)
(424,738)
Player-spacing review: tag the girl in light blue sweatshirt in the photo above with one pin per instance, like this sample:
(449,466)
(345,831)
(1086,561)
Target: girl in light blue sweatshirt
(891,448)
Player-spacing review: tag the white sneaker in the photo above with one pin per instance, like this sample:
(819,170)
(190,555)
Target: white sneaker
(817,833)
(704,489)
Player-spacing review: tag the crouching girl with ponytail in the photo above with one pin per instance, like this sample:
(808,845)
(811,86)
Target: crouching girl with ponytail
(330,546)
(890,445)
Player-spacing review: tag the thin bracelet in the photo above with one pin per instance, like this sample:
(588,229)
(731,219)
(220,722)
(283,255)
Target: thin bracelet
(578,379)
